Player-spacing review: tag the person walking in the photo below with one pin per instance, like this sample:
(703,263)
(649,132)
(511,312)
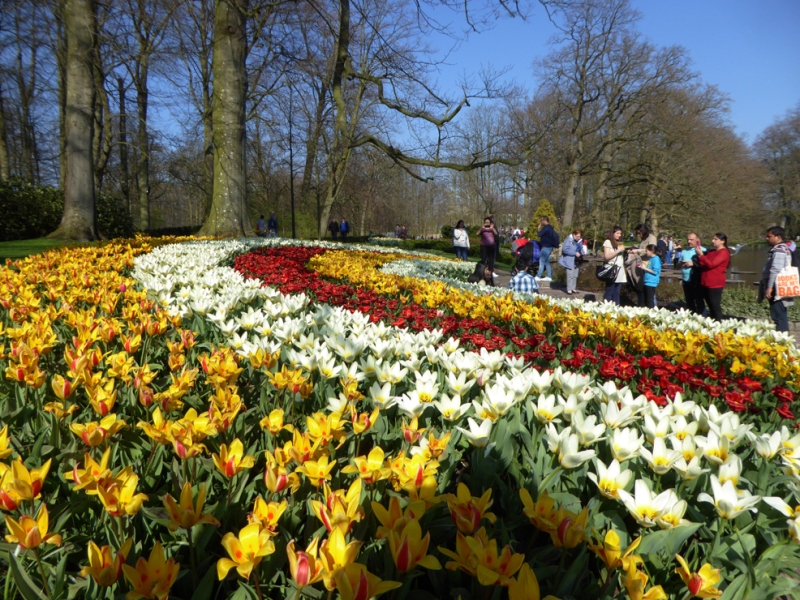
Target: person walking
(690,275)
(652,275)
(548,239)
(272,226)
(488,235)
(571,252)
(261,227)
(333,227)
(780,256)
(344,228)
(713,266)
(461,241)
(613,250)
(670,253)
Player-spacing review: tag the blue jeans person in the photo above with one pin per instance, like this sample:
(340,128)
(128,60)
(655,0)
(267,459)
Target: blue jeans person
(544,262)
(461,252)
(779,315)
(613,292)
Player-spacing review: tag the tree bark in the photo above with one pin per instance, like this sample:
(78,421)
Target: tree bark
(228,215)
(143,164)
(124,184)
(79,222)
(61,69)
(5,171)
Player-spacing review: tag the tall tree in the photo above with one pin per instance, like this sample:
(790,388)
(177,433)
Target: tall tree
(228,215)
(79,222)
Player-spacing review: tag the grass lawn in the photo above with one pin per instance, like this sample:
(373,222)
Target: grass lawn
(23,248)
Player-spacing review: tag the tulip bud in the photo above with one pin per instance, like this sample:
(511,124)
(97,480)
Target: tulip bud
(563,527)
(122,287)
(695,584)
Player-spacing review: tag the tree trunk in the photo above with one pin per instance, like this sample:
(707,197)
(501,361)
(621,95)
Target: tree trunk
(143,164)
(124,184)
(103,132)
(228,215)
(78,222)
(61,70)
(208,157)
(311,155)
(5,171)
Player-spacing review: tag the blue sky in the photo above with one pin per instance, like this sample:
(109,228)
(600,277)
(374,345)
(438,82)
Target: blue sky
(749,49)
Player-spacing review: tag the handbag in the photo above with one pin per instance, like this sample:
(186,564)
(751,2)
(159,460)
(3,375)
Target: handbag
(607,272)
(787,283)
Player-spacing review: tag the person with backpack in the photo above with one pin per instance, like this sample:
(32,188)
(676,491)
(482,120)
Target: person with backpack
(571,253)
(780,256)
(461,241)
(549,240)
(344,228)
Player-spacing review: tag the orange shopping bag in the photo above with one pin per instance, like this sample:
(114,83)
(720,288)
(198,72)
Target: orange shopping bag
(787,283)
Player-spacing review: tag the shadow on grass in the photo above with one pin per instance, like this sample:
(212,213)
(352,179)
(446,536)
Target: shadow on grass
(22,248)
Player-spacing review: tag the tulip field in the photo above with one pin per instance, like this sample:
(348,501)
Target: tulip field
(254,419)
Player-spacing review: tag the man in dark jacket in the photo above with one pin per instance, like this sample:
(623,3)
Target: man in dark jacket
(549,240)
(272,226)
(333,227)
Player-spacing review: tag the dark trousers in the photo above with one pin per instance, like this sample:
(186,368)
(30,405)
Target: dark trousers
(649,296)
(641,297)
(713,298)
(334,234)
(779,314)
(612,292)
(694,297)
(488,256)
(344,236)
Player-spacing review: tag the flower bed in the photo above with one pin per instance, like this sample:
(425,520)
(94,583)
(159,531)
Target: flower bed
(352,430)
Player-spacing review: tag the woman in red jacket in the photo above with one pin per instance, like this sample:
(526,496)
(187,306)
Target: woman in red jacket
(713,265)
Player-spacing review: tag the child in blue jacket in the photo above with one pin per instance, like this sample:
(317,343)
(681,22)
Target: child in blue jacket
(652,275)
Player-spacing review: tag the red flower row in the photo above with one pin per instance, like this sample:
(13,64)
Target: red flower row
(654,376)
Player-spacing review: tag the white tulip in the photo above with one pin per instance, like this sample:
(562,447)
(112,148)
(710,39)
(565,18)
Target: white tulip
(715,448)
(458,384)
(609,480)
(673,515)
(381,396)
(660,459)
(572,383)
(554,437)
(615,417)
(681,406)
(478,435)
(451,409)
(689,470)
(731,470)
(568,454)
(780,505)
(654,428)
(643,505)
(484,410)
(625,444)
(410,405)
(608,392)
(541,381)
(727,501)
(546,409)
(766,445)
(586,429)
(681,428)
(572,405)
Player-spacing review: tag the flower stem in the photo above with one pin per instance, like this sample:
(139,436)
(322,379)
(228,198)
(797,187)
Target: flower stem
(41,570)
(192,558)
(258,587)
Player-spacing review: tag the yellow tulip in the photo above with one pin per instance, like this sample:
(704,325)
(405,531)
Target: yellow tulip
(267,514)
(700,584)
(31,533)
(305,566)
(635,583)
(93,433)
(233,461)
(340,510)
(59,410)
(395,519)
(62,387)
(92,475)
(102,397)
(5,451)
(317,471)
(277,479)
(410,549)
(273,422)
(119,497)
(354,582)
(571,528)
(478,556)
(188,513)
(152,578)
(335,555)
(467,510)
(105,564)
(246,551)
(364,422)
(610,552)
(27,484)
(369,468)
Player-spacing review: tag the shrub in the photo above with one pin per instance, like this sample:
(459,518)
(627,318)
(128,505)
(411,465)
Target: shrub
(545,209)
(29,211)
(113,217)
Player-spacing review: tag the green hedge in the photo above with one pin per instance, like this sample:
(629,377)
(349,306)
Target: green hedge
(32,211)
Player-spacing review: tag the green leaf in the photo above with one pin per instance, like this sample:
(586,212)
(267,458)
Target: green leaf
(26,587)
(61,577)
(206,586)
(670,540)
(737,588)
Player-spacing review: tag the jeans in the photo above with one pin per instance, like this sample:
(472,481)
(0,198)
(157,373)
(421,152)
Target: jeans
(669,259)
(779,314)
(487,256)
(462,253)
(694,297)
(273,233)
(612,292)
(572,279)
(544,263)
(650,296)
(713,298)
